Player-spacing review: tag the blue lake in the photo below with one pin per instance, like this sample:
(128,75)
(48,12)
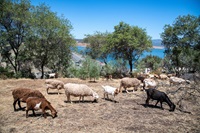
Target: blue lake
(153,52)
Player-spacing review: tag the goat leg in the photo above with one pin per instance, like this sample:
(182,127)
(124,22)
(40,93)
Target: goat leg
(27,113)
(147,101)
(156,103)
(161,105)
(33,112)
(44,113)
(14,104)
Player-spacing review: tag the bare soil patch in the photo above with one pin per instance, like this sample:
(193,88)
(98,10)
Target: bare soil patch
(127,115)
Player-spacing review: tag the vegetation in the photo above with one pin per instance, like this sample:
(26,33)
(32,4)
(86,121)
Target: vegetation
(181,40)
(14,30)
(97,49)
(50,41)
(33,35)
(88,69)
(152,62)
(128,42)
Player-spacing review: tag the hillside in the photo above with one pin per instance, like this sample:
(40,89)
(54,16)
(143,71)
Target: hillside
(127,115)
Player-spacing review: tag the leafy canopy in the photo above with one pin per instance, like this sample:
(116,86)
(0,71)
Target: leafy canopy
(128,42)
(182,43)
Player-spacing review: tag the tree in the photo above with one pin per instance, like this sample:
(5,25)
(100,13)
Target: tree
(89,69)
(152,62)
(128,42)
(96,48)
(182,43)
(50,41)
(14,24)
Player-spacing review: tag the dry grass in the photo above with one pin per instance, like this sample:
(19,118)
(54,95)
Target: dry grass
(128,115)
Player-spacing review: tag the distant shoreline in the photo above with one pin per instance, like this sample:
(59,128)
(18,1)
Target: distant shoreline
(158,47)
(85,45)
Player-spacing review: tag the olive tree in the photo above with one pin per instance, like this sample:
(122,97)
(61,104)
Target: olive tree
(128,42)
(50,41)
(182,43)
(14,24)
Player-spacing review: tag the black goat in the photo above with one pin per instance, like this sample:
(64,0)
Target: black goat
(160,97)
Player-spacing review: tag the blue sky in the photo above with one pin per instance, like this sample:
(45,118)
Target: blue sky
(88,16)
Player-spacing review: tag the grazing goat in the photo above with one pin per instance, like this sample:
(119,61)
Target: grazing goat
(21,94)
(109,90)
(176,80)
(160,97)
(35,103)
(149,83)
(79,90)
(54,84)
(129,82)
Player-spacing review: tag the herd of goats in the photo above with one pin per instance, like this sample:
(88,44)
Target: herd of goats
(35,100)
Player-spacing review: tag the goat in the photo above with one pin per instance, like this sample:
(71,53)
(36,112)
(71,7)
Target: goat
(160,97)
(53,75)
(149,83)
(21,94)
(35,103)
(109,90)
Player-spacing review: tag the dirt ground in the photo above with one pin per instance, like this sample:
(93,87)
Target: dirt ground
(127,115)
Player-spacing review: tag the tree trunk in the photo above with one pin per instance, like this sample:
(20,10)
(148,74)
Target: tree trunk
(131,65)
(42,68)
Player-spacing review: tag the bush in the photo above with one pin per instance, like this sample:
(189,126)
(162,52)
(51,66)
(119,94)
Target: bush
(5,73)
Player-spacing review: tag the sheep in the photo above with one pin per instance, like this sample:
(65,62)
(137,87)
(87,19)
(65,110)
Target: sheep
(129,82)
(79,90)
(54,84)
(163,76)
(149,83)
(35,103)
(109,90)
(160,97)
(176,80)
(21,94)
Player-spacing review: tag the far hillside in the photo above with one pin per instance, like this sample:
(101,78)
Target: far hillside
(155,42)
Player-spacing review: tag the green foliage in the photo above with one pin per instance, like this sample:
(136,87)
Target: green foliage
(5,73)
(50,41)
(181,40)
(128,42)
(96,48)
(35,35)
(90,69)
(152,62)
(14,24)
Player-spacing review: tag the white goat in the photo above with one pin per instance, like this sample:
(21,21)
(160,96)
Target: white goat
(109,90)
(149,83)
(52,75)
(79,90)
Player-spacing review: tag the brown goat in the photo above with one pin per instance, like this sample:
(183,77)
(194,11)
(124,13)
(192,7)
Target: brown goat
(21,94)
(35,103)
